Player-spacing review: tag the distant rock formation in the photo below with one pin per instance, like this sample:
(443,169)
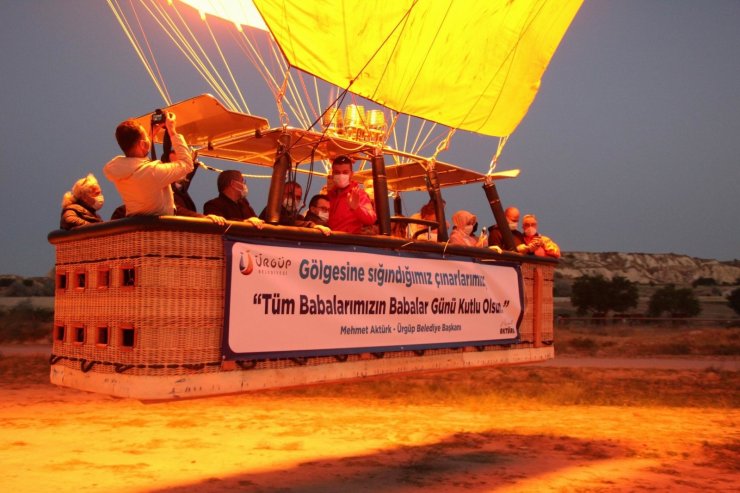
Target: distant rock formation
(646,268)
(13,286)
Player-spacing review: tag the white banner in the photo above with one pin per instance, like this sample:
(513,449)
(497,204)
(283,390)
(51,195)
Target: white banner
(309,301)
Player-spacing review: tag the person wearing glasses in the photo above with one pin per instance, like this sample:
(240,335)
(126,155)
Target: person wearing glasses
(536,244)
(318,209)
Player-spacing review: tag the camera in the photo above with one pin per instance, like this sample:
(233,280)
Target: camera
(158,117)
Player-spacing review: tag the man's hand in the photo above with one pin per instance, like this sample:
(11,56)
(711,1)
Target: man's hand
(170,123)
(496,248)
(323,229)
(216,219)
(256,222)
(354,198)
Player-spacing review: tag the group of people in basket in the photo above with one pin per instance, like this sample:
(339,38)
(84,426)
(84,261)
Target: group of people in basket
(160,188)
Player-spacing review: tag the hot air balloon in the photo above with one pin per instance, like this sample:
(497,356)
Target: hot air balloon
(387,83)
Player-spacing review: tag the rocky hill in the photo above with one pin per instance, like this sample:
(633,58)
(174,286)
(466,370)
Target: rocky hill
(646,268)
(12,285)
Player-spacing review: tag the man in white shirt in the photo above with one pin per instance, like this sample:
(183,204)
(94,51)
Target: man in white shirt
(144,185)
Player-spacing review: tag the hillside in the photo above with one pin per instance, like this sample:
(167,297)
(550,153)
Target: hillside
(12,285)
(647,268)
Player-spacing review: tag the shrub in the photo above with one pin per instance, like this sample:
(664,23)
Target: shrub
(733,300)
(704,281)
(24,322)
(583,344)
(679,303)
(597,295)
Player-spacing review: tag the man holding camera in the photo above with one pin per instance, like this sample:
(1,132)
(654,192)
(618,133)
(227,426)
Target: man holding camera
(144,185)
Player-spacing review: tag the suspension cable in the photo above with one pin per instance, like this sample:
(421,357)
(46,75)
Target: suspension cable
(226,64)
(151,53)
(118,12)
(494,160)
(181,42)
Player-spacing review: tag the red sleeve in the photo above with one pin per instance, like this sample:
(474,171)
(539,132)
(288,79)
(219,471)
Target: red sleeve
(366,210)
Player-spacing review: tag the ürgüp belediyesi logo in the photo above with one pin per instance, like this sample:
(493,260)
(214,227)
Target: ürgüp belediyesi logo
(246,266)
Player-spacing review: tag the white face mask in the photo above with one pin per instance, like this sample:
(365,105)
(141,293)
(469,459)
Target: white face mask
(243,191)
(513,226)
(98,202)
(324,216)
(341,181)
(468,229)
(531,231)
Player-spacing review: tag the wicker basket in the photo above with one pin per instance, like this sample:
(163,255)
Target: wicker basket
(149,301)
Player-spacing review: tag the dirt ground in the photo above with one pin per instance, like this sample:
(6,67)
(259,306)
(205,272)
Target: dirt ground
(518,429)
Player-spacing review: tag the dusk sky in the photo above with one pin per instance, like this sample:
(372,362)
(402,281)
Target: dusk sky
(632,144)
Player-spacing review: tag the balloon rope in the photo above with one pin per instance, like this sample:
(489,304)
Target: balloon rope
(296,103)
(314,113)
(213,73)
(226,64)
(154,60)
(180,41)
(129,34)
(444,145)
(494,160)
(406,135)
(279,101)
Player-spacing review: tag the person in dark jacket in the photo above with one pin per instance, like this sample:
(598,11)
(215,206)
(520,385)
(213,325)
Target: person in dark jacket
(80,205)
(289,209)
(512,218)
(184,204)
(232,203)
(318,209)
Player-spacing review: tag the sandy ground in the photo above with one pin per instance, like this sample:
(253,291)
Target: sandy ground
(335,438)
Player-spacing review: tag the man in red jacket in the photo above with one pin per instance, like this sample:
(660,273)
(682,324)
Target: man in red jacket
(349,206)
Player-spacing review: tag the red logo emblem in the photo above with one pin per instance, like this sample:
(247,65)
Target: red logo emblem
(246,267)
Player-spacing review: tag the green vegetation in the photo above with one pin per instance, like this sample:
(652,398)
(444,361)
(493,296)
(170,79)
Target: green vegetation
(15,286)
(598,295)
(704,281)
(677,302)
(733,300)
(24,322)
